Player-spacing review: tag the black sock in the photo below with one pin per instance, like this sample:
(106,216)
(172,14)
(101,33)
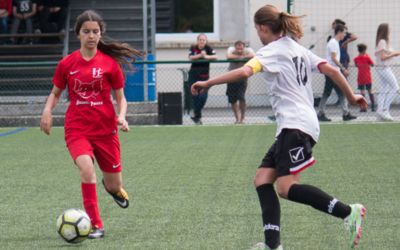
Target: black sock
(271,214)
(318,199)
(372,99)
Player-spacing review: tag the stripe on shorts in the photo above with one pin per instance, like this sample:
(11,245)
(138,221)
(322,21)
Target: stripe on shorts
(302,166)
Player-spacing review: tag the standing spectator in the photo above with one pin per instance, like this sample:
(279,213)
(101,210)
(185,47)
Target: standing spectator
(91,73)
(5,12)
(52,15)
(384,54)
(333,58)
(344,55)
(23,10)
(363,63)
(200,53)
(343,43)
(236,92)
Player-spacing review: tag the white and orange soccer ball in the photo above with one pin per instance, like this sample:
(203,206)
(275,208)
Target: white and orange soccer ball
(73,225)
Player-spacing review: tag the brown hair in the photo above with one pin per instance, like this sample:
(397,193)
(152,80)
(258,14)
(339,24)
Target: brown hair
(361,47)
(239,42)
(121,52)
(339,21)
(382,33)
(278,21)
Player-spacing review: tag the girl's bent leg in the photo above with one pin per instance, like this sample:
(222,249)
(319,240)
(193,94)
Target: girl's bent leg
(289,188)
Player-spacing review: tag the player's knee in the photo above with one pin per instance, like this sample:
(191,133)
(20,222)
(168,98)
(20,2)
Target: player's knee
(282,191)
(87,173)
(88,176)
(263,176)
(258,180)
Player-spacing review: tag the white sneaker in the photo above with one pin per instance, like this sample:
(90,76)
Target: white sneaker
(388,116)
(263,246)
(383,116)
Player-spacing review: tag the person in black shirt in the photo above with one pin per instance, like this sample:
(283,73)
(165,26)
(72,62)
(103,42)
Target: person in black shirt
(23,10)
(200,53)
(52,15)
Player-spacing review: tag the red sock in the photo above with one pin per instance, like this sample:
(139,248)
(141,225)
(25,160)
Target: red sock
(89,196)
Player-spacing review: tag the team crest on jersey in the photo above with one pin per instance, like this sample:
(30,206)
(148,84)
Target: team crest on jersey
(88,90)
(97,73)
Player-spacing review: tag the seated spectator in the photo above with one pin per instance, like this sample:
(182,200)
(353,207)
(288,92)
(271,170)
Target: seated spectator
(5,12)
(23,10)
(52,15)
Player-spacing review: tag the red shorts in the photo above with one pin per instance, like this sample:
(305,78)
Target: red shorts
(105,150)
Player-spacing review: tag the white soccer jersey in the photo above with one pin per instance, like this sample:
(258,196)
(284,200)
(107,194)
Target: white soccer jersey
(287,68)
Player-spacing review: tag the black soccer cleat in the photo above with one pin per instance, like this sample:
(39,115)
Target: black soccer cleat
(121,197)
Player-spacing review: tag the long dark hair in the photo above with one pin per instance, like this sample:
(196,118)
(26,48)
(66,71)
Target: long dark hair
(122,52)
(382,33)
(279,21)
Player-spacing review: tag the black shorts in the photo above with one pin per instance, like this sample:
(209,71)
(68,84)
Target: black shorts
(236,91)
(365,86)
(291,153)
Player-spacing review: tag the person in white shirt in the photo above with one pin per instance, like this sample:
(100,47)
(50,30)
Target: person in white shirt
(286,67)
(236,92)
(333,58)
(384,57)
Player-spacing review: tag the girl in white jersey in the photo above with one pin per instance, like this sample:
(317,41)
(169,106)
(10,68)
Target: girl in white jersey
(287,67)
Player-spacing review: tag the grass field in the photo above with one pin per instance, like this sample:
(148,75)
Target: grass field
(191,188)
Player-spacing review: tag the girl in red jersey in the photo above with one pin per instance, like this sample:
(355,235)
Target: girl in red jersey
(91,123)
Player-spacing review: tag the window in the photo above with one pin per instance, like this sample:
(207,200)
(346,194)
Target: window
(182,20)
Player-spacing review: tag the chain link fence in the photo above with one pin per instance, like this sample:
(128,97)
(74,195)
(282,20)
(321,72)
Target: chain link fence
(24,89)
(173,78)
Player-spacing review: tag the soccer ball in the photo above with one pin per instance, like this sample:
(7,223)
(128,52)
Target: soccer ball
(73,225)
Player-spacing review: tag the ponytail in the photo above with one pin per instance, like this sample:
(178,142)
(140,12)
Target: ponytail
(279,22)
(291,25)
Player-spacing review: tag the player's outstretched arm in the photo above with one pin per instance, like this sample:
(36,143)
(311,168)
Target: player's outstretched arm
(228,77)
(342,83)
(46,121)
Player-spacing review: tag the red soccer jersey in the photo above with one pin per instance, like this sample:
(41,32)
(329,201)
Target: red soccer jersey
(91,111)
(363,63)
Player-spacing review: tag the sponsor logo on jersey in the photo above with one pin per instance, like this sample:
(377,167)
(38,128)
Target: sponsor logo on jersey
(73,72)
(88,90)
(97,73)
